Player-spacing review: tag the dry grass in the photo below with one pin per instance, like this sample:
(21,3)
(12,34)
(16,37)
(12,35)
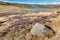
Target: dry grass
(20,31)
(17,27)
(9,8)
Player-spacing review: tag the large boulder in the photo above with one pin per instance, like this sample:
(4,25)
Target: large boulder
(42,30)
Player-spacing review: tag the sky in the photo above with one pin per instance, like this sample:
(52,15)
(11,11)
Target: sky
(34,1)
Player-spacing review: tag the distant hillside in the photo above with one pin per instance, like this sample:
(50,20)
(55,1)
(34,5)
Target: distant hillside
(17,4)
(29,5)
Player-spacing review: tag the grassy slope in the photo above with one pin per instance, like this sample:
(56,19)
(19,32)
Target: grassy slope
(8,8)
(23,33)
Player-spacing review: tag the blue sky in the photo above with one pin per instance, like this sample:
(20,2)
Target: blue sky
(34,1)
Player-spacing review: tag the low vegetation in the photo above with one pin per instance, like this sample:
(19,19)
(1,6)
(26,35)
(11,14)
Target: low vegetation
(16,23)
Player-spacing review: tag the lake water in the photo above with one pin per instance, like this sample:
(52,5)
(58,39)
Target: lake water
(38,9)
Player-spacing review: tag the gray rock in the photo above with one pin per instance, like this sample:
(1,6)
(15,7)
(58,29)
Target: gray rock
(42,30)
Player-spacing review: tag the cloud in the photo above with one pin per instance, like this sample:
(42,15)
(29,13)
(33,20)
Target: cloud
(39,3)
(55,3)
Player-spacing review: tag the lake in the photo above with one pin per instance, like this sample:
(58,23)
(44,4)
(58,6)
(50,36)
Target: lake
(37,8)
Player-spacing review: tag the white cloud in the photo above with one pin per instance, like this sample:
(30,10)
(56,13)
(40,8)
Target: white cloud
(39,3)
(55,3)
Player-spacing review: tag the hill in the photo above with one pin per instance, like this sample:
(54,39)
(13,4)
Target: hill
(29,5)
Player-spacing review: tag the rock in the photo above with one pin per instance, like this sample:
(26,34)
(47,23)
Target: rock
(42,30)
